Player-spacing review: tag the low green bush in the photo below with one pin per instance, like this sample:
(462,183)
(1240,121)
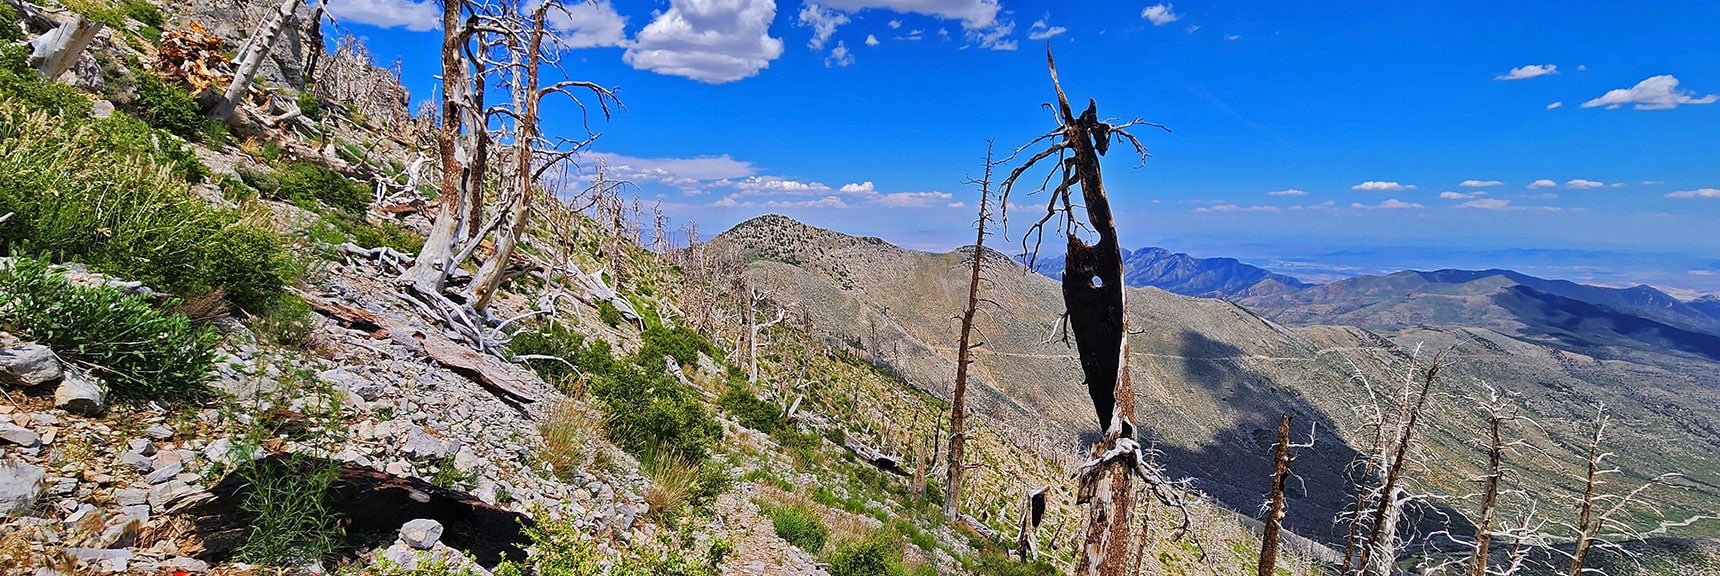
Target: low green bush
(680,342)
(875,555)
(995,564)
(9,30)
(799,526)
(761,415)
(609,314)
(169,107)
(310,106)
(142,352)
(143,11)
(648,412)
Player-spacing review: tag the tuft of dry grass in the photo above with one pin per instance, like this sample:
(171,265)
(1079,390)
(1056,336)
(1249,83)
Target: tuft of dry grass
(673,478)
(572,438)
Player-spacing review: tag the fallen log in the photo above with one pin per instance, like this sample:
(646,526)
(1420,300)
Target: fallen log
(372,505)
(508,382)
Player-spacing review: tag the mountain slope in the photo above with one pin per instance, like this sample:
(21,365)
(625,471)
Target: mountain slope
(1212,377)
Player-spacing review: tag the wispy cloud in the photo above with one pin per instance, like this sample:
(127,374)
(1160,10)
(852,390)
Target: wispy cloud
(1042,29)
(1379,186)
(1542,183)
(1581,184)
(1237,208)
(1287,192)
(871,40)
(1486,204)
(1697,193)
(585,25)
(839,56)
(823,22)
(1555,105)
(1527,72)
(1231,37)
(1480,183)
(1160,14)
(1449,195)
(1655,93)
(1389,204)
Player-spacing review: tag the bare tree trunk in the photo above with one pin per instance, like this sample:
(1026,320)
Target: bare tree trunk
(1588,527)
(527,98)
(55,52)
(430,269)
(964,357)
(1275,500)
(252,59)
(1489,494)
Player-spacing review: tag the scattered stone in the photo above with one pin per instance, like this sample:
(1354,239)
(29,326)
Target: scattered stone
(219,451)
(101,109)
(142,464)
(20,485)
(420,444)
(158,432)
(40,419)
(141,446)
(29,366)
(163,474)
(19,435)
(421,533)
(109,561)
(80,394)
(176,494)
(192,565)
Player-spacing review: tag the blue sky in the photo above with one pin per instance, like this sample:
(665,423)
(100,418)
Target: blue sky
(1431,134)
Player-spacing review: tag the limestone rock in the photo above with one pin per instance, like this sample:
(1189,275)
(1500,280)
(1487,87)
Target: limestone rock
(80,394)
(20,484)
(19,435)
(422,533)
(29,366)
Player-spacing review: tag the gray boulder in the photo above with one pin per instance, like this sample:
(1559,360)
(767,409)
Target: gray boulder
(80,394)
(29,366)
(19,435)
(20,485)
(422,533)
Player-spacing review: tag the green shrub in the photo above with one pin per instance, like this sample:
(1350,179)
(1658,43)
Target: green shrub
(874,555)
(555,339)
(799,526)
(609,314)
(386,234)
(310,105)
(96,191)
(287,321)
(9,30)
(995,564)
(649,412)
(168,107)
(761,415)
(301,183)
(680,342)
(290,522)
(143,11)
(142,352)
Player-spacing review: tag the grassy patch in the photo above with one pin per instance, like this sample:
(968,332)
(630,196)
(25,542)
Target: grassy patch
(673,480)
(569,439)
(142,352)
(799,526)
(290,521)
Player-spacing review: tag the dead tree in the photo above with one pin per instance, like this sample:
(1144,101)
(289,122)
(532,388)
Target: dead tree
(251,58)
(1597,525)
(53,53)
(1275,500)
(1032,513)
(1380,549)
(955,467)
(484,42)
(1094,300)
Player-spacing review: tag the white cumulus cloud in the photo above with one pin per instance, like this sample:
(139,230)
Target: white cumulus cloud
(1697,193)
(1378,186)
(1160,14)
(871,40)
(1655,93)
(1527,72)
(1287,192)
(1581,184)
(1480,183)
(1236,208)
(1542,183)
(825,202)
(586,24)
(712,41)
(415,16)
(1449,195)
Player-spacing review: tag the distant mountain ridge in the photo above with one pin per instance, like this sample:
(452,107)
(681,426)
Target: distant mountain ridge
(1180,273)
